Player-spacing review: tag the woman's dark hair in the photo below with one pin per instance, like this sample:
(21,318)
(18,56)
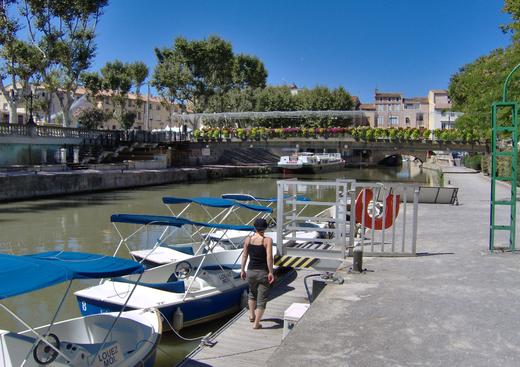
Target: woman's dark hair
(260,224)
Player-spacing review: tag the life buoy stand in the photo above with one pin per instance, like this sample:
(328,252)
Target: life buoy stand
(376,221)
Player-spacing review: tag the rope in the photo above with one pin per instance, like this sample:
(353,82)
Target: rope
(238,353)
(177,333)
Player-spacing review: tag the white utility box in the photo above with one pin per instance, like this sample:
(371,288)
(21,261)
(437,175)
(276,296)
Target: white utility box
(292,315)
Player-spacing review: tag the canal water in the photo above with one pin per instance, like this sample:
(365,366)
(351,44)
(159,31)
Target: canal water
(82,223)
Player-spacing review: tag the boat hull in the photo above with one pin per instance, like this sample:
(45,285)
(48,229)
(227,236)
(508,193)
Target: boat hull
(313,168)
(195,311)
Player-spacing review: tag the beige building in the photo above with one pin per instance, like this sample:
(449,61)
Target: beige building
(395,110)
(151,112)
(441,115)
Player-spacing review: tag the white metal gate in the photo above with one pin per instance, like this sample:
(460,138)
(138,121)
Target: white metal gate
(335,216)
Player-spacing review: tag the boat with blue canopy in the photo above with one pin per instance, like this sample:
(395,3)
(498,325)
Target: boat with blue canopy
(188,291)
(96,340)
(268,202)
(227,210)
(164,253)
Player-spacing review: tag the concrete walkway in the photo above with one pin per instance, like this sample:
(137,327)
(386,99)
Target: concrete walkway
(454,305)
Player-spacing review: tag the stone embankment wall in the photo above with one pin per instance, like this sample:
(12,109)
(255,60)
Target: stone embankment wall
(44,184)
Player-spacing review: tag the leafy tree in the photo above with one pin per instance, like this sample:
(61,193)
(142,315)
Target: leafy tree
(19,61)
(117,79)
(248,72)
(91,118)
(139,72)
(478,84)
(513,8)
(64,33)
(194,71)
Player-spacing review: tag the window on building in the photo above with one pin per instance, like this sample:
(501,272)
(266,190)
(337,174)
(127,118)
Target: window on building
(113,127)
(419,116)
(407,120)
(138,115)
(158,108)
(393,120)
(380,120)
(20,119)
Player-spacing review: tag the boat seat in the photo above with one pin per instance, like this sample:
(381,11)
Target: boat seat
(188,250)
(174,286)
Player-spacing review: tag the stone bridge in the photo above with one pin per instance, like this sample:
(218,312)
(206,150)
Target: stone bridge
(21,140)
(370,152)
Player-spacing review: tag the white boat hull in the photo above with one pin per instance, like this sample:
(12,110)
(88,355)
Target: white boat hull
(132,341)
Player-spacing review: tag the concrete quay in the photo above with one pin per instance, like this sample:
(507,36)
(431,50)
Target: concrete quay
(34,184)
(455,304)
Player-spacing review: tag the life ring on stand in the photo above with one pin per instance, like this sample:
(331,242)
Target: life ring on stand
(376,220)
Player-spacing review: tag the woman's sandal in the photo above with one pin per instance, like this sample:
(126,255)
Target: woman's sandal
(251,319)
(257,327)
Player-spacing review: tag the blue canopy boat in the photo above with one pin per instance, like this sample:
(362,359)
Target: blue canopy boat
(97,340)
(187,291)
(163,252)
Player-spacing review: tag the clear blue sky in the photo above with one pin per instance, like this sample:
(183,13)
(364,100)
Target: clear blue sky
(408,46)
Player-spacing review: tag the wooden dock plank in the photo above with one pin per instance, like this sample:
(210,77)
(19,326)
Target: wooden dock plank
(237,343)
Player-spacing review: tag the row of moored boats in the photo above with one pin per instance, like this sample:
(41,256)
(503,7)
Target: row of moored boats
(170,284)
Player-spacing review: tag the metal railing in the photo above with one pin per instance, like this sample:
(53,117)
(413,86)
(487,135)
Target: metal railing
(101,137)
(385,217)
(298,221)
(381,218)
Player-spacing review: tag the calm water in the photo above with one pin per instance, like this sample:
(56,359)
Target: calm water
(82,223)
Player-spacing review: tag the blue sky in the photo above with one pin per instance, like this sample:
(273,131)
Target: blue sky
(407,46)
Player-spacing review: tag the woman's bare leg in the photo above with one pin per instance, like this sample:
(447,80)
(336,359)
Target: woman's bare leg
(259,312)
(252,307)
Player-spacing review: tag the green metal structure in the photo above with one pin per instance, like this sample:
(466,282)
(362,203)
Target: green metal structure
(512,129)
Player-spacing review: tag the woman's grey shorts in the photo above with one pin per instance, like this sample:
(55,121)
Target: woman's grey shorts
(258,287)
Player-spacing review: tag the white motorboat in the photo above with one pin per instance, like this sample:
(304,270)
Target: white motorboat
(97,340)
(186,292)
(307,162)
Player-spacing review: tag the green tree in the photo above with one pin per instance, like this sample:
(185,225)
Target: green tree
(91,118)
(513,8)
(19,61)
(248,72)
(64,33)
(478,84)
(194,71)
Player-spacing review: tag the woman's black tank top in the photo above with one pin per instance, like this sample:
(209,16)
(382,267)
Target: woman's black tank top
(257,257)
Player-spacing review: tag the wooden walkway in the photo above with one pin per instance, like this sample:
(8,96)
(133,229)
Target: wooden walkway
(237,344)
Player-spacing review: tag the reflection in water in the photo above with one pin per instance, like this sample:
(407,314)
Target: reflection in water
(82,223)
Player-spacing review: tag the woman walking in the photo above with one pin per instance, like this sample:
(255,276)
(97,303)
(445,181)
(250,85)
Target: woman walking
(259,249)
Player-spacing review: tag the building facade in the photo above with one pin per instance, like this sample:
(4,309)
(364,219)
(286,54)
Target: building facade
(432,112)
(151,112)
(440,114)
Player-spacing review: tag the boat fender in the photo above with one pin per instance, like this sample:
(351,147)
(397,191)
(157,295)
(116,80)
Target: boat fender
(178,319)
(243,299)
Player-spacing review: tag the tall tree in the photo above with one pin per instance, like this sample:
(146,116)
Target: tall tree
(248,72)
(513,8)
(19,61)
(64,32)
(117,80)
(478,84)
(193,71)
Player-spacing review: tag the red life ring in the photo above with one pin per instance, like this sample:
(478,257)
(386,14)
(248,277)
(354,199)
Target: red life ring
(377,221)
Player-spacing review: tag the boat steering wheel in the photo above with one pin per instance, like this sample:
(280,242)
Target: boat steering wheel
(183,270)
(43,353)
